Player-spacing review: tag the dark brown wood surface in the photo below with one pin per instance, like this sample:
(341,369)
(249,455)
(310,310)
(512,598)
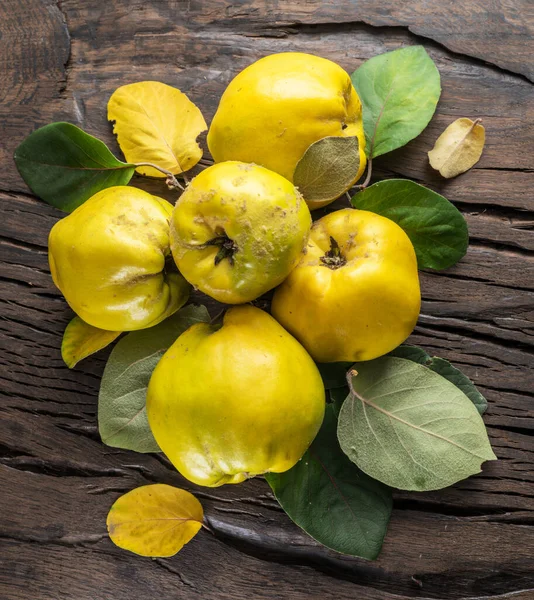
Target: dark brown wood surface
(61,61)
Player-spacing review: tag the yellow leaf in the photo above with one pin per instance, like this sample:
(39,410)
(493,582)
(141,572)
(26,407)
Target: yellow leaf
(458,148)
(81,340)
(156,123)
(154,520)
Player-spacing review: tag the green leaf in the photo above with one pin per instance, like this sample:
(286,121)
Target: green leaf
(399,91)
(413,353)
(331,499)
(334,374)
(65,166)
(445,369)
(411,428)
(122,419)
(337,397)
(328,168)
(436,228)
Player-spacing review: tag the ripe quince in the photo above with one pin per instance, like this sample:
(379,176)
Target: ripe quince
(238,230)
(229,402)
(273,110)
(109,259)
(355,294)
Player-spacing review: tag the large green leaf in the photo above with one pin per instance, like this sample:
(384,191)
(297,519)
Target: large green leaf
(399,91)
(436,228)
(122,419)
(411,428)
(331,499)
(445,369)
(461,381)
(413,353)
(65,166)
(335,376)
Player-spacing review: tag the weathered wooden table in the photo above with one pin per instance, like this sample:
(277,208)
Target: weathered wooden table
(61,61)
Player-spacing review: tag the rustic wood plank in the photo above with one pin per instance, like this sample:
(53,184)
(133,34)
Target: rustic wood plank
(34,51)
(46,570)
(202,61)
(472,540)
(252,526)
(50,407)
(498,32)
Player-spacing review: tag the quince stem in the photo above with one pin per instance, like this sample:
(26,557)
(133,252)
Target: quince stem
(227,248)
(350,374)
(208,528)
(171,181)
(333,259)
(367,180)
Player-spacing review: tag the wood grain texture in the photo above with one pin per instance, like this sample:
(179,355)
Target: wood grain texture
(62,61)
(499,32)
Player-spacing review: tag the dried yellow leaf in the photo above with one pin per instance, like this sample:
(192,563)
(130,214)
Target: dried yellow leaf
(458,148)
(156,123)
(81,340)
(154,520)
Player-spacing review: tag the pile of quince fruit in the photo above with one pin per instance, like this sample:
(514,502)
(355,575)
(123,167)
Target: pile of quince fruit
(242,395)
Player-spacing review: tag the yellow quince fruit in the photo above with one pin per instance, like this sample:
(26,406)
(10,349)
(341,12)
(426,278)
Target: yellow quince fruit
(109,258)
(238,230)
(355,294)
(273,110)
(229,402)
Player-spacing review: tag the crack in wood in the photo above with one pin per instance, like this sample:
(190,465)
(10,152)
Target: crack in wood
(67,64)
(168,567)
(58,468)
(281,550)
(66,540)
(295,28)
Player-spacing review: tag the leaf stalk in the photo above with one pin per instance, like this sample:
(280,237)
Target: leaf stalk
(171,181)
(350,374)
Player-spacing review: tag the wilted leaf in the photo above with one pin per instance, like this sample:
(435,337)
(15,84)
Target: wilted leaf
(328,168)
(458,148)
(65,166)
(411,428)
(331,499)
(156,123)
(434,225)
(399,91)
(81,340)
(122,418)
(154,520)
